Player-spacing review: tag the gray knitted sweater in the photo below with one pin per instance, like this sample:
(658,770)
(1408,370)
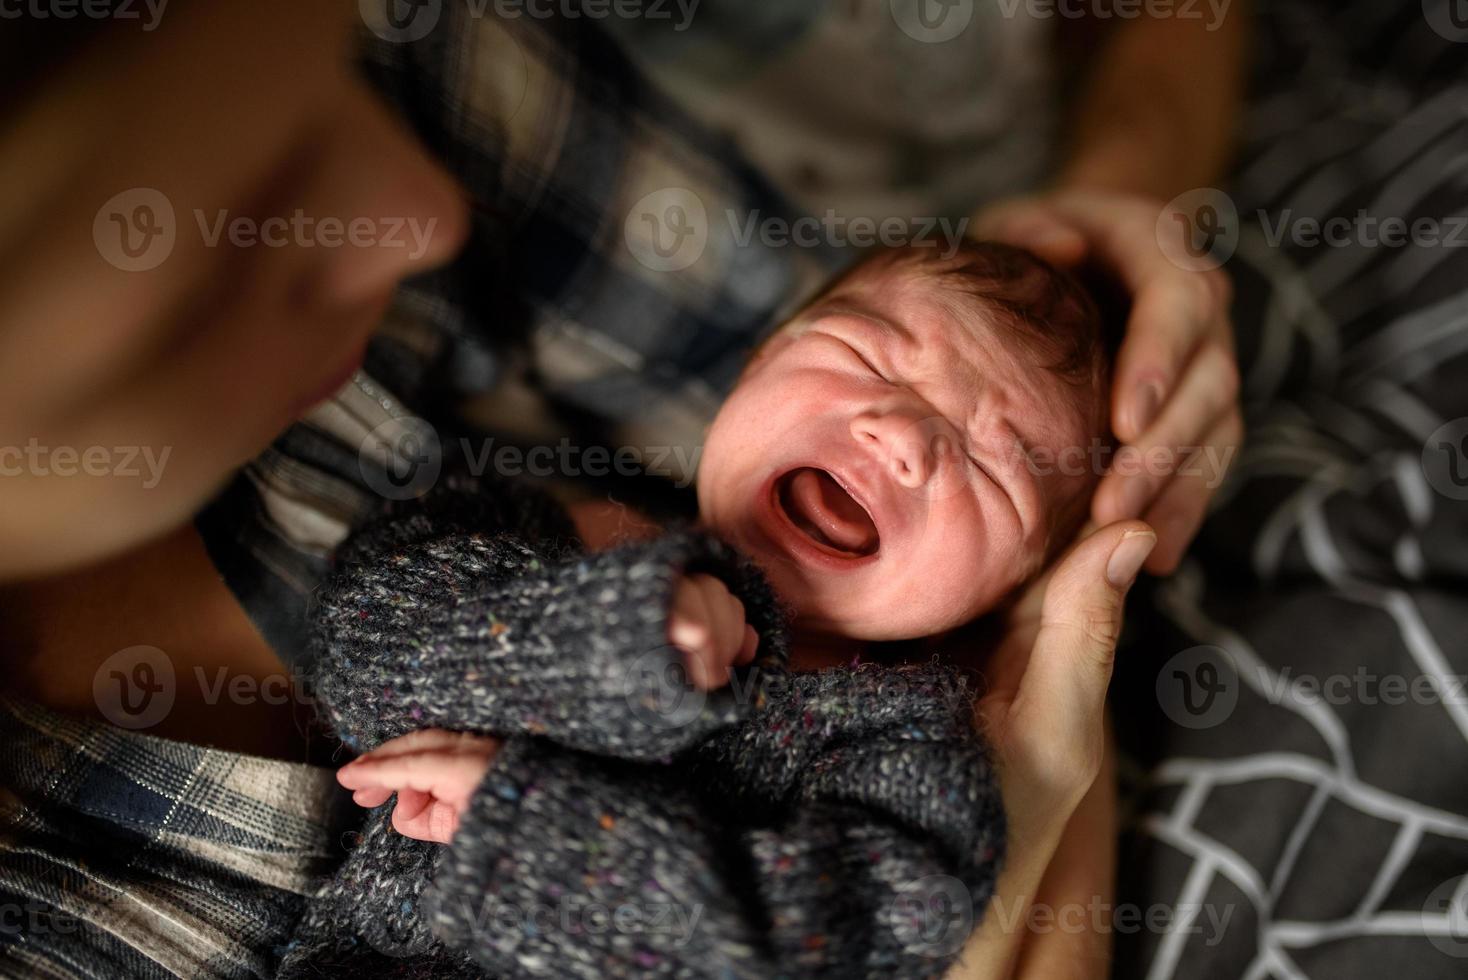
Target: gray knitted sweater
(843,823)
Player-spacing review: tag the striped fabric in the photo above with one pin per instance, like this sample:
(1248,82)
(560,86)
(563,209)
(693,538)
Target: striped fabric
(1303,791)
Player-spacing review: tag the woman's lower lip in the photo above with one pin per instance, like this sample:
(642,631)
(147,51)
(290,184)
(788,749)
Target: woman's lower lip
(370,315)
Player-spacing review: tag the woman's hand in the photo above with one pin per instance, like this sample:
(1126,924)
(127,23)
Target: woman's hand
(1044,714)
(433,772)
(1045,706)
(1174,400)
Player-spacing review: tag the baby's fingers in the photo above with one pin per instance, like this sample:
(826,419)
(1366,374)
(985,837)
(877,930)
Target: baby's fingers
(451,777)
(373,797)
(435,822)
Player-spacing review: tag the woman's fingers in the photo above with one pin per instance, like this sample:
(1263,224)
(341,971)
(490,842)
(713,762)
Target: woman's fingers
(1178,440)
(1178,510)
(1171,317)
(1174,309)
(1054,727)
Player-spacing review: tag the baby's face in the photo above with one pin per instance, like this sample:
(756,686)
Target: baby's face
(872,459)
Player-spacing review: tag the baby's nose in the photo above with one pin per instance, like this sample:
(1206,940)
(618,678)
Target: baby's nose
(911,448)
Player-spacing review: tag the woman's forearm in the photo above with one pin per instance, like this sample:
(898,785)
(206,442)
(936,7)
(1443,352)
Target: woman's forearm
(994,949)
(1156,109)
(1042,922)
(1071,938)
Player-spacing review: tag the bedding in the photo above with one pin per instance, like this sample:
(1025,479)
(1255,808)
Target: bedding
(1292,702)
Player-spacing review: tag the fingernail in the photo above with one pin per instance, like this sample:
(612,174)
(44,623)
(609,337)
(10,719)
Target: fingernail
(1126,560)
(1146,406)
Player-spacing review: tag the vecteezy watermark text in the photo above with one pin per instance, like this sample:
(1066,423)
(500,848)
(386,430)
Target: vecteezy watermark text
(149,12)
(1211,11)
(402,459)
(581,915)
(145,463)
(669,229)
(406,21)
(934,915)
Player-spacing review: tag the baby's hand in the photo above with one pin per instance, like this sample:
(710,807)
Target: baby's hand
(707,624)
(434,773)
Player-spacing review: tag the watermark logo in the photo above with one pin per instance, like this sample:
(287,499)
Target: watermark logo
(932,21)
(1450,901)
(135,687)
(401,459)
(1199,687)
(933,916)
(1447,18)
(400,21)
(1445,460)
(667,230)
(660,692)
(1199,229)
(135,231)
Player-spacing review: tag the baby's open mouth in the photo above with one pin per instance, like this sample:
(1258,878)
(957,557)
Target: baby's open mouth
(822,509)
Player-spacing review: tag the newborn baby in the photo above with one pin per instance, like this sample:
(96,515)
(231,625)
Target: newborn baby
(889,459)
(875,468)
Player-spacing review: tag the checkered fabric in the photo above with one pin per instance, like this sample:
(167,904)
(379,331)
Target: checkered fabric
(126,855)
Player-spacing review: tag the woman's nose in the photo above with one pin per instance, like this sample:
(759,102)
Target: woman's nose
(910,447)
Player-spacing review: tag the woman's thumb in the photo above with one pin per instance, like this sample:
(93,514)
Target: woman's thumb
(1080,622)
(1041,231)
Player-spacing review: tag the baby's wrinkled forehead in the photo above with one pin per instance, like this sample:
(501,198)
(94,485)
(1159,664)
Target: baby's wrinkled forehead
(1030,306)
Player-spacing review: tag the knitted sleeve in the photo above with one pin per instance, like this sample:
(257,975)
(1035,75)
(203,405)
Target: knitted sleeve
(868,846)
(429,625)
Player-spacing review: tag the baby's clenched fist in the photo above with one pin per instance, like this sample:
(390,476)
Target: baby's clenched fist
(707,625)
